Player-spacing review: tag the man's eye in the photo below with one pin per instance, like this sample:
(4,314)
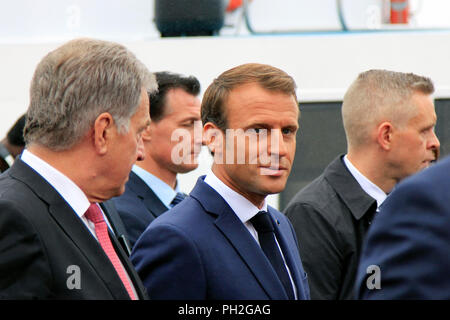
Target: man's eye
(254,130)
(188,124)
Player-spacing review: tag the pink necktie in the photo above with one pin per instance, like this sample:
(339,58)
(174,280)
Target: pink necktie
(94,214)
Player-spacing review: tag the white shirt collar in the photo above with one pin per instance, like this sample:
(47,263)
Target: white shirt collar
(243,208)
(71,193)
(368,186)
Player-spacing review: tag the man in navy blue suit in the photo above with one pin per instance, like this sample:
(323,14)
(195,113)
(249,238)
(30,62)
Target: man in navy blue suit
(152,185)
(224,241)
(406,253)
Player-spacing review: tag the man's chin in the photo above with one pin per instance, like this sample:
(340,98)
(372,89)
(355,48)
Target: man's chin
(425,165)
(275,187)
(117,192)
(185,168)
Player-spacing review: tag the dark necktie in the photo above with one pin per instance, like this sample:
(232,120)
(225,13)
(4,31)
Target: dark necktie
(264,226)
(178,198)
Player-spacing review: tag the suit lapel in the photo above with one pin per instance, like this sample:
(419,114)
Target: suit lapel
(109,209)
(241,240)
(82,238)
(138,286)
(73,227)
(347,187)
(247,248)
(288,254)
(144,192)
(88,246)
(154,205)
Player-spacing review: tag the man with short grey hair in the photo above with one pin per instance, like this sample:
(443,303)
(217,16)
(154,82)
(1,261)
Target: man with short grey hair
(88,108)
(389,121)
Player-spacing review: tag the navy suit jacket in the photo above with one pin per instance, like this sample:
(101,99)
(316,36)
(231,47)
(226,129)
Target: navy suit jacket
(137,207)
(201,250)
(409,240)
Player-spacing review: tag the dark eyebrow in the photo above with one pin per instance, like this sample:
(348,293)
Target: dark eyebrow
(259,125)
(191,118)
(291,125)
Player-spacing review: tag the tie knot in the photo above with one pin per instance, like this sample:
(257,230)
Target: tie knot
(262,222)
(94,213)
(178,198)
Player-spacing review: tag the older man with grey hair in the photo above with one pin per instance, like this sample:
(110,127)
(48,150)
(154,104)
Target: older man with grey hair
(389,121)
(88,109)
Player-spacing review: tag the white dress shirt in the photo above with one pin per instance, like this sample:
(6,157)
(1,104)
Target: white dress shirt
(368,186)
(71,193)
(244,210)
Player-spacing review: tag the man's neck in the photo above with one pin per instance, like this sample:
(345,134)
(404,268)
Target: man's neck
(368,164)
(169,177)
(65,161)
(256,199)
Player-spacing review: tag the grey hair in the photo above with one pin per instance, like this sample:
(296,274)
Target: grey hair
(78,81)
(380,95)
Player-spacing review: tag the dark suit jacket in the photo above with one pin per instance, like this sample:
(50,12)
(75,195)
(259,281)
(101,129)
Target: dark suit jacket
(117,225)
(409,240)
(201,250)
(44,245)
(331,216)
(138,206)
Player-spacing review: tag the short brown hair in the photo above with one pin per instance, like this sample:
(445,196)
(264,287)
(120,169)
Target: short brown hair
(270,78)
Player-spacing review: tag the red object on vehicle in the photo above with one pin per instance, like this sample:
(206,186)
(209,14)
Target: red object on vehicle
(399,11)
(233,5)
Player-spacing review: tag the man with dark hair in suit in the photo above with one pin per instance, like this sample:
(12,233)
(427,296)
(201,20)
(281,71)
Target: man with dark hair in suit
(223,241)
(389,121)
(152,186)
(88,109)
(12,145)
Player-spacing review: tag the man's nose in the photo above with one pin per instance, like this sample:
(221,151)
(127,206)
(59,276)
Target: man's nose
(277,143)
(435,145)
(140,150)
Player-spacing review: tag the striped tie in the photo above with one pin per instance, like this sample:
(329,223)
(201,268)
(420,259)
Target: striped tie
(178,198)
(101,230)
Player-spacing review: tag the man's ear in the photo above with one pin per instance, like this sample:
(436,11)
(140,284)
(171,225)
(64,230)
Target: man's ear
(212,138)
(385,132)
(104,130)
(147,133)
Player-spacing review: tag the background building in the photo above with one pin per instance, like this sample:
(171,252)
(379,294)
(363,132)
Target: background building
(322,47)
